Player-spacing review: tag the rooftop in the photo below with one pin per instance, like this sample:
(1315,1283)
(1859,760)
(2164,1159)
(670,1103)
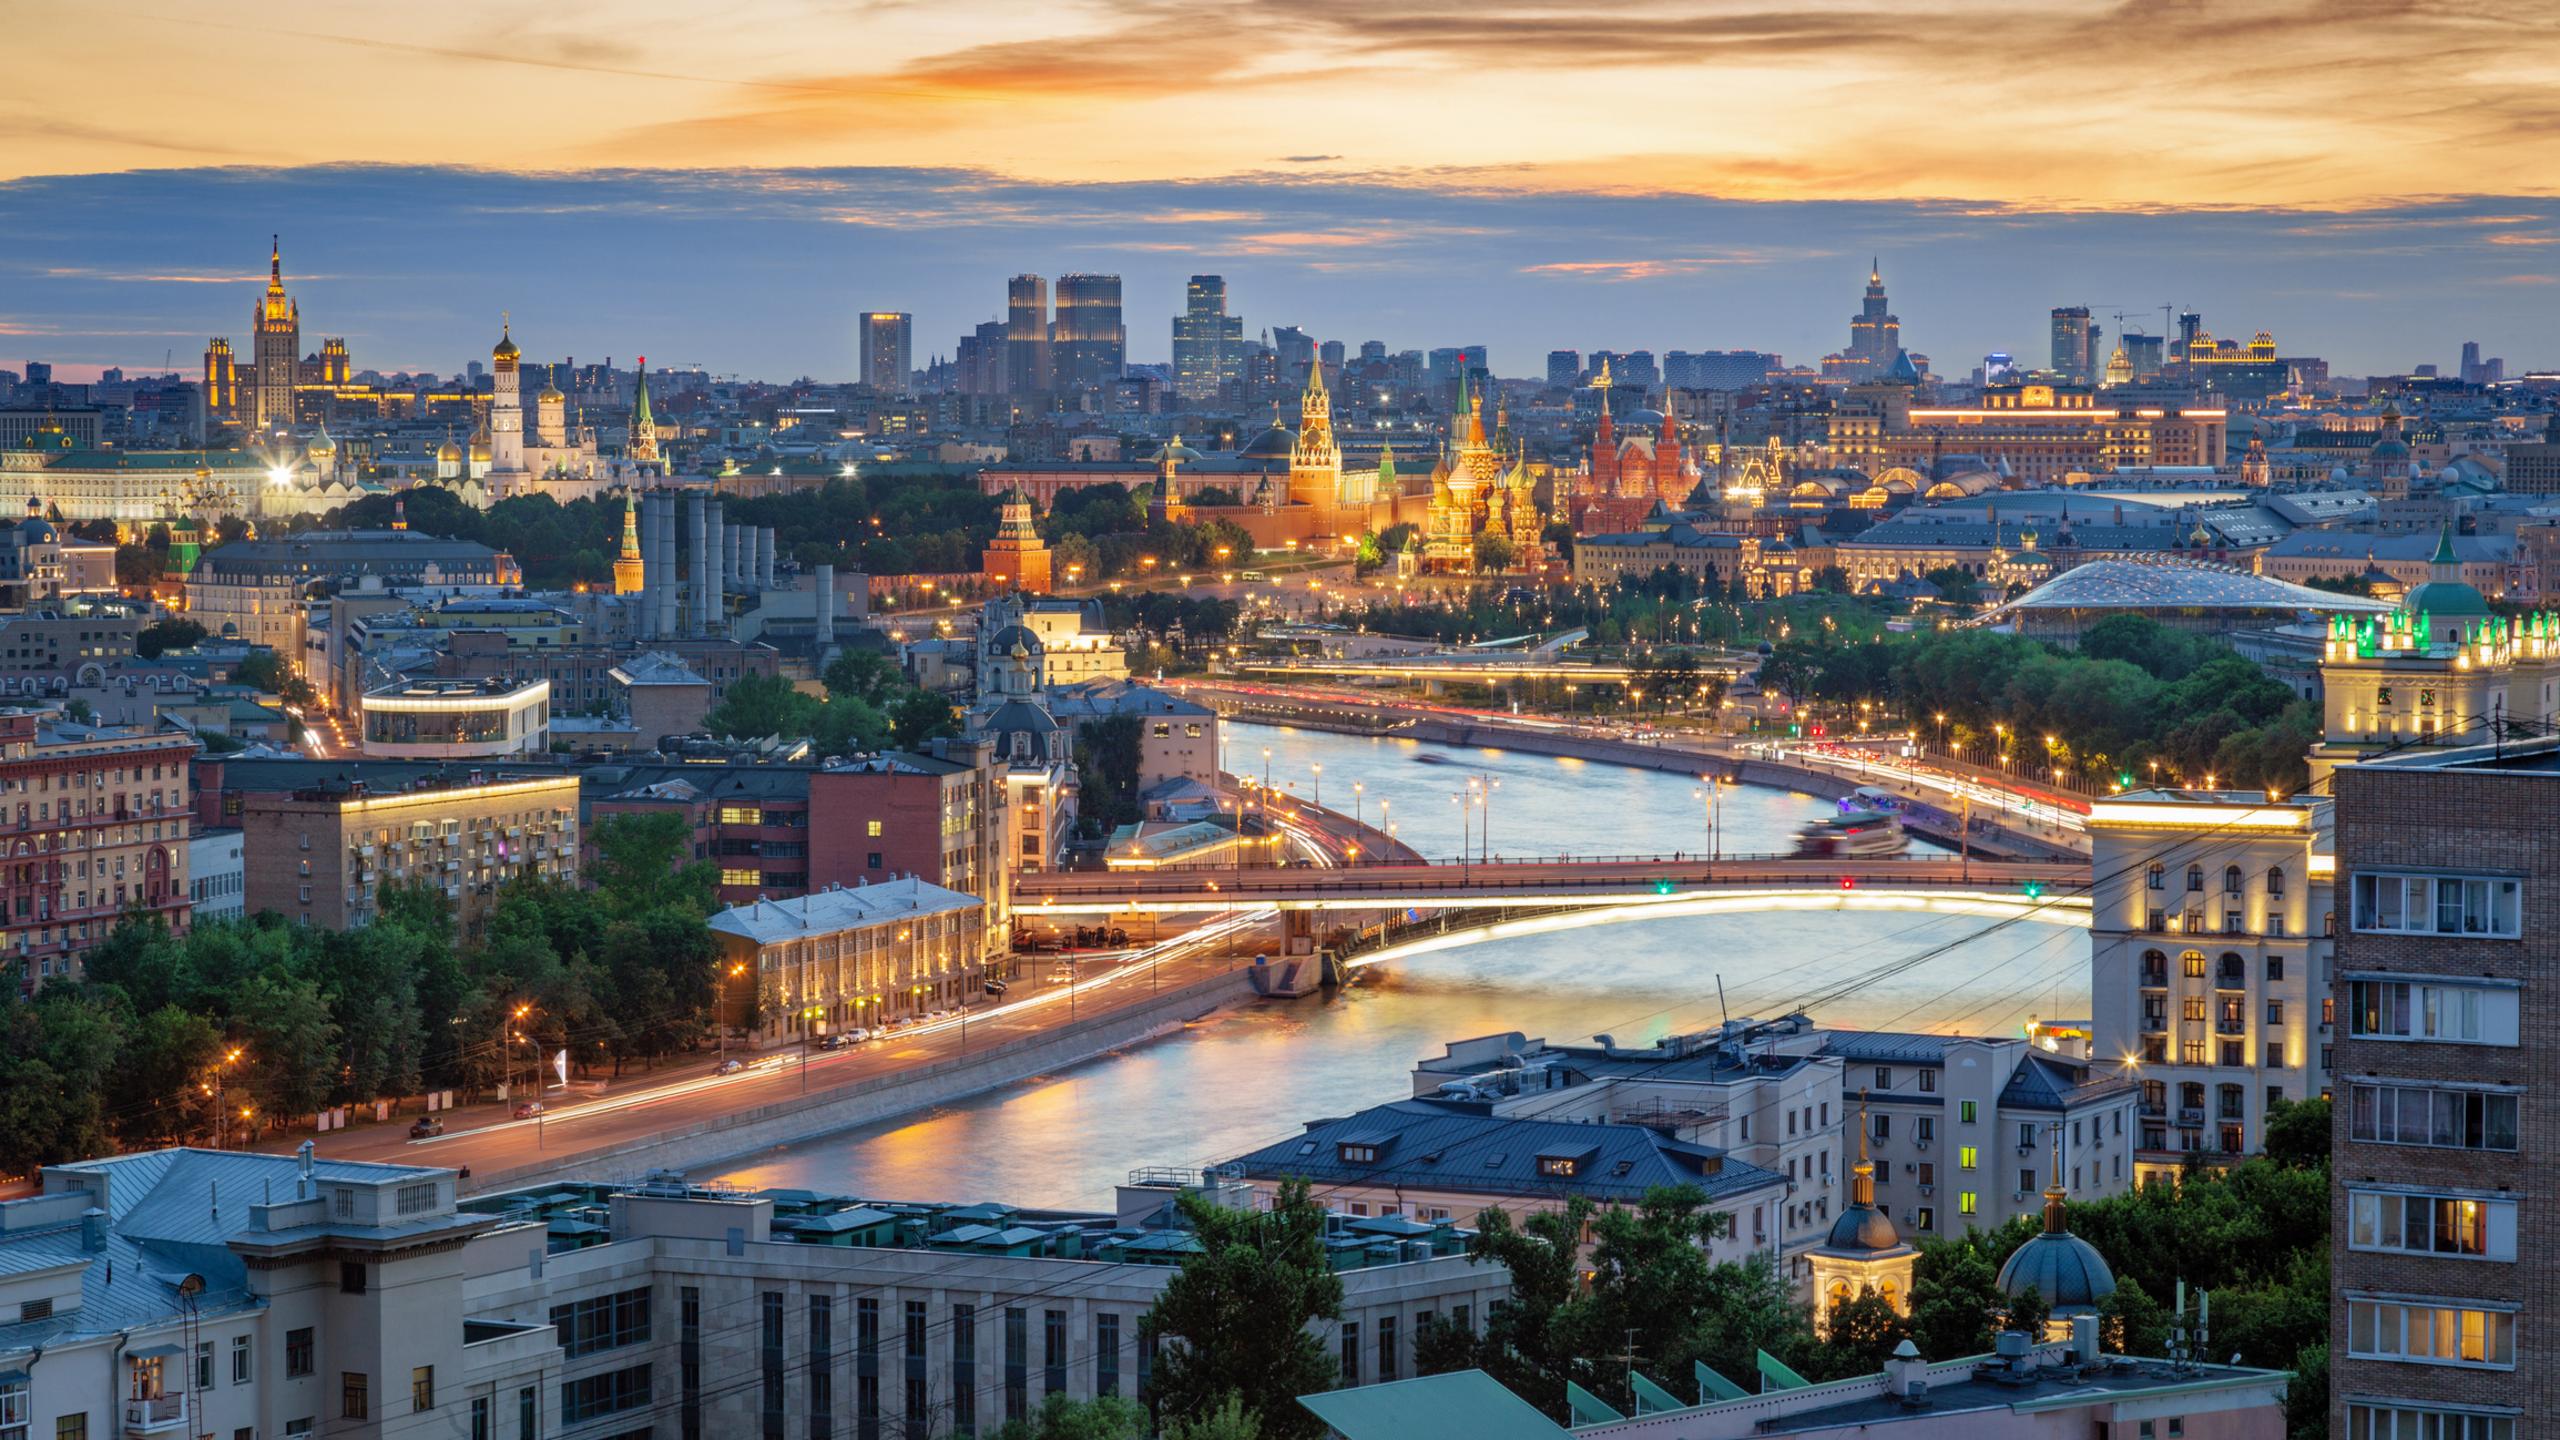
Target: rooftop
(825,912)
(1463,1146)
(2141,585)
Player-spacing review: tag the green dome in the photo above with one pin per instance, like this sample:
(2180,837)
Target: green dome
(2447,600)
(2066,1270)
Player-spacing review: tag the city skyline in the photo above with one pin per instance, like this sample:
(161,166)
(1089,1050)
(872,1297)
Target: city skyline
(397,260)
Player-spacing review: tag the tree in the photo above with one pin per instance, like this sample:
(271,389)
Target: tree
(1864,1329)
(644,862)
(162,636)
(2306,1399)
(1107,758)
(1955,1291)
(158,1093)
(2028,1313)
(1230,1421)
(760,705)
(291,1040)
(2131,1322)
(1104,1417)
(2298,1133)
(1493,553)
(1237,1315)
(921,715)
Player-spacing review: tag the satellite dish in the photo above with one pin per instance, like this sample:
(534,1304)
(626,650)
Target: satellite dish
(191,1285)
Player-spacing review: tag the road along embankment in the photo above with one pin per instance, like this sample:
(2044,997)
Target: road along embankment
(1991,834)
(739,1134)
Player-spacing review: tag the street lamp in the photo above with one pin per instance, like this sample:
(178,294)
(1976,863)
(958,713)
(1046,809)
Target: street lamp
(1319,769)
(721,1005)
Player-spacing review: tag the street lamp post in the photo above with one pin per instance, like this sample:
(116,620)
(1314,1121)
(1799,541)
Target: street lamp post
(721,1004)
(1319,787)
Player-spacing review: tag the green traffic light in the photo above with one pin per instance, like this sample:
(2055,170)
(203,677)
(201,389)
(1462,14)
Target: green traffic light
(2035,889)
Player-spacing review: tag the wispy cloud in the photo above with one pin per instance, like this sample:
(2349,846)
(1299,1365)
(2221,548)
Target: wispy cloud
(1656,268)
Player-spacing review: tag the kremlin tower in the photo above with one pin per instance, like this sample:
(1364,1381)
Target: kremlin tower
(643,445)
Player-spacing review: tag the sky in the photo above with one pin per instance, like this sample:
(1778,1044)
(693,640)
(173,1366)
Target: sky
(727,185)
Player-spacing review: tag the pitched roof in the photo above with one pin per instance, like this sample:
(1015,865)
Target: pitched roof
(1462,1146)
(827,911)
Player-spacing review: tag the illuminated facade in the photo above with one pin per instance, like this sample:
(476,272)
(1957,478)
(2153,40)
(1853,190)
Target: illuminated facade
(1648,467)
(1863,1252)
(506,473)
(277,350)
(2210,964)
(457,719)
(100,831)
(643,444)
(629,570)
(1018,559)
(326,854)
(2443,669)
(1875,335)
(837,959)
(2044,434)
(1481,487)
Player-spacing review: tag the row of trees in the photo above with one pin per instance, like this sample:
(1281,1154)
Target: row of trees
(1599,1294)
(269,1020)
(2134,692)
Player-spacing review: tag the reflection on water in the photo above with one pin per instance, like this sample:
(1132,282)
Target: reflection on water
(1245,1078)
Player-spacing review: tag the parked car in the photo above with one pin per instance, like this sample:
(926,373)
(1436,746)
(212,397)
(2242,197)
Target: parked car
(528,1109)
(837,1041)
(729,1067)
(425,1127)
(995,986)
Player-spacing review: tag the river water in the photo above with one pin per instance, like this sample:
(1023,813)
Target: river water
(1246,1078)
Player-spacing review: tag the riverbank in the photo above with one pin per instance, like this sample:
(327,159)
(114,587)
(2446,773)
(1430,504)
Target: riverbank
(1990,835)
(737,1136)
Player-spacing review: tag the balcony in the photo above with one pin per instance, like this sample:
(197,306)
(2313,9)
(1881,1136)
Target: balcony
(2191,1116)
(158,1415)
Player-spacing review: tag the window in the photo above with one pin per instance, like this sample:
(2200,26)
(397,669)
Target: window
(422,1388)
(240,1352)
(2389,903)
(297,1353)
(871,828)
(1559,1165)
(610,1393)
(204,1364)
(1884,1078)
(2447,1334)
(1106,1354)
(1964,1112)
(2275,1012)
(1882,1127)
(2431,1224)
(2275,882)
(2452,1119)
(355,1395)
(2195,878)
(2192,964)
(605,1322)
(483,1426)
(13,1410)
(350,1277)
(2433,1011)
(1967,1157)
(1968,1203)
(2191,1007)
(1358,1154)
(1928,1086)
(76,1427)
(2156,876)
(1928,1218)
(1351,1352)
(2388,1422)
(2231,882)
(2275,967)
(1386,1347)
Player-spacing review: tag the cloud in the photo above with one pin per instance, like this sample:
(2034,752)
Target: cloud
(1307,159)
(1658,268)
(2526,280)
(2512,237)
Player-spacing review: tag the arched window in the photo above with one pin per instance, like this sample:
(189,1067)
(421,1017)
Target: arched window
(2155,968)
(2195,878)
(2232,971)
(2157,877)
(2275,882)
(2230,879)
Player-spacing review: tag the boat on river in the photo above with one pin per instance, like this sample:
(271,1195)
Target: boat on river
(1853,835)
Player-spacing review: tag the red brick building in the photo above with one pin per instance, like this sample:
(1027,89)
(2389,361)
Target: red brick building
(937,816)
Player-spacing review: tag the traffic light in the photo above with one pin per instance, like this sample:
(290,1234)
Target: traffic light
(1661,887)
(2035,889)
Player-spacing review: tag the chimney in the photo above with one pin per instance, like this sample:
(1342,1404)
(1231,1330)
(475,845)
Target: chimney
(93,1230)
(764,553)
(715,587)
(2084,1339)
(698,524)
(1906,1376)
(302,1187)
(644,617)
(826,606)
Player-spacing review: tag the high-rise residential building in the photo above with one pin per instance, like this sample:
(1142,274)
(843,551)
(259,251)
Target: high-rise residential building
(2076,356)
(119,804)
(1296,350)
(277,349)
(1451,363)
(1208,343)
(1875,332)
(2145,353)
(1331,355)
(1089,347)
(2442,1221)
(1638,370)
(2209,964)
(2470,362)
(327,853)
(1027,359)
(981,359)
(1564,369)
(888,354)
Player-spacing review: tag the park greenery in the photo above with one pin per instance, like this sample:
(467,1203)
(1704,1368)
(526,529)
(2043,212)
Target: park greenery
(868,705)
(272,1021)
(1232,1327)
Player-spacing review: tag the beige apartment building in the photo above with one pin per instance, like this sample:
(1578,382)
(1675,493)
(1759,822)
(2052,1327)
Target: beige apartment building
(323,855)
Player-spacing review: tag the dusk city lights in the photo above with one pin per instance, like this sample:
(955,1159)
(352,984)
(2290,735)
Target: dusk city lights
(1127,721)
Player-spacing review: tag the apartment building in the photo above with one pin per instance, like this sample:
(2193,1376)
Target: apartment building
(99,824)
(937,813)
(325,852)
(1960,1129)
(2210,964)
(2442,1207)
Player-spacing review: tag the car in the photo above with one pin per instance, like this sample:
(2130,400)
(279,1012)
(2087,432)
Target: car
(1063,975)
(729,1067)
(837,1041)
(528,1109)
(856,1035)
(425,1127)
(995,987)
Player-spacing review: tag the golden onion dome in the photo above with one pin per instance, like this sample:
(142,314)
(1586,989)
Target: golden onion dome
(505,349)
(449,451)
(480,447)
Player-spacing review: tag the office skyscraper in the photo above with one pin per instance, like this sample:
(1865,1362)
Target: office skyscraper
(1027,368)
(1296,350)
(2075,344)
(1208,343)
(1564,369)
(1088,345)
(887,350)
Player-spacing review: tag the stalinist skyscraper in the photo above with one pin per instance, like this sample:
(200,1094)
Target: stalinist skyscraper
(1875,332)
(278,352)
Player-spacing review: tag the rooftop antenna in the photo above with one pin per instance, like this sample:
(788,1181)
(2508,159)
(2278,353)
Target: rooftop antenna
(1720,1005)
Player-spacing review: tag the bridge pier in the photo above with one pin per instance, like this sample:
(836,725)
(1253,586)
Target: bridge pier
(1297,932)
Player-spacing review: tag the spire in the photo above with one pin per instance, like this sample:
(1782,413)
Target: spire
(2445,564)
(1862,1189)
(275,264)
(1875,270)
(2053,1191)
